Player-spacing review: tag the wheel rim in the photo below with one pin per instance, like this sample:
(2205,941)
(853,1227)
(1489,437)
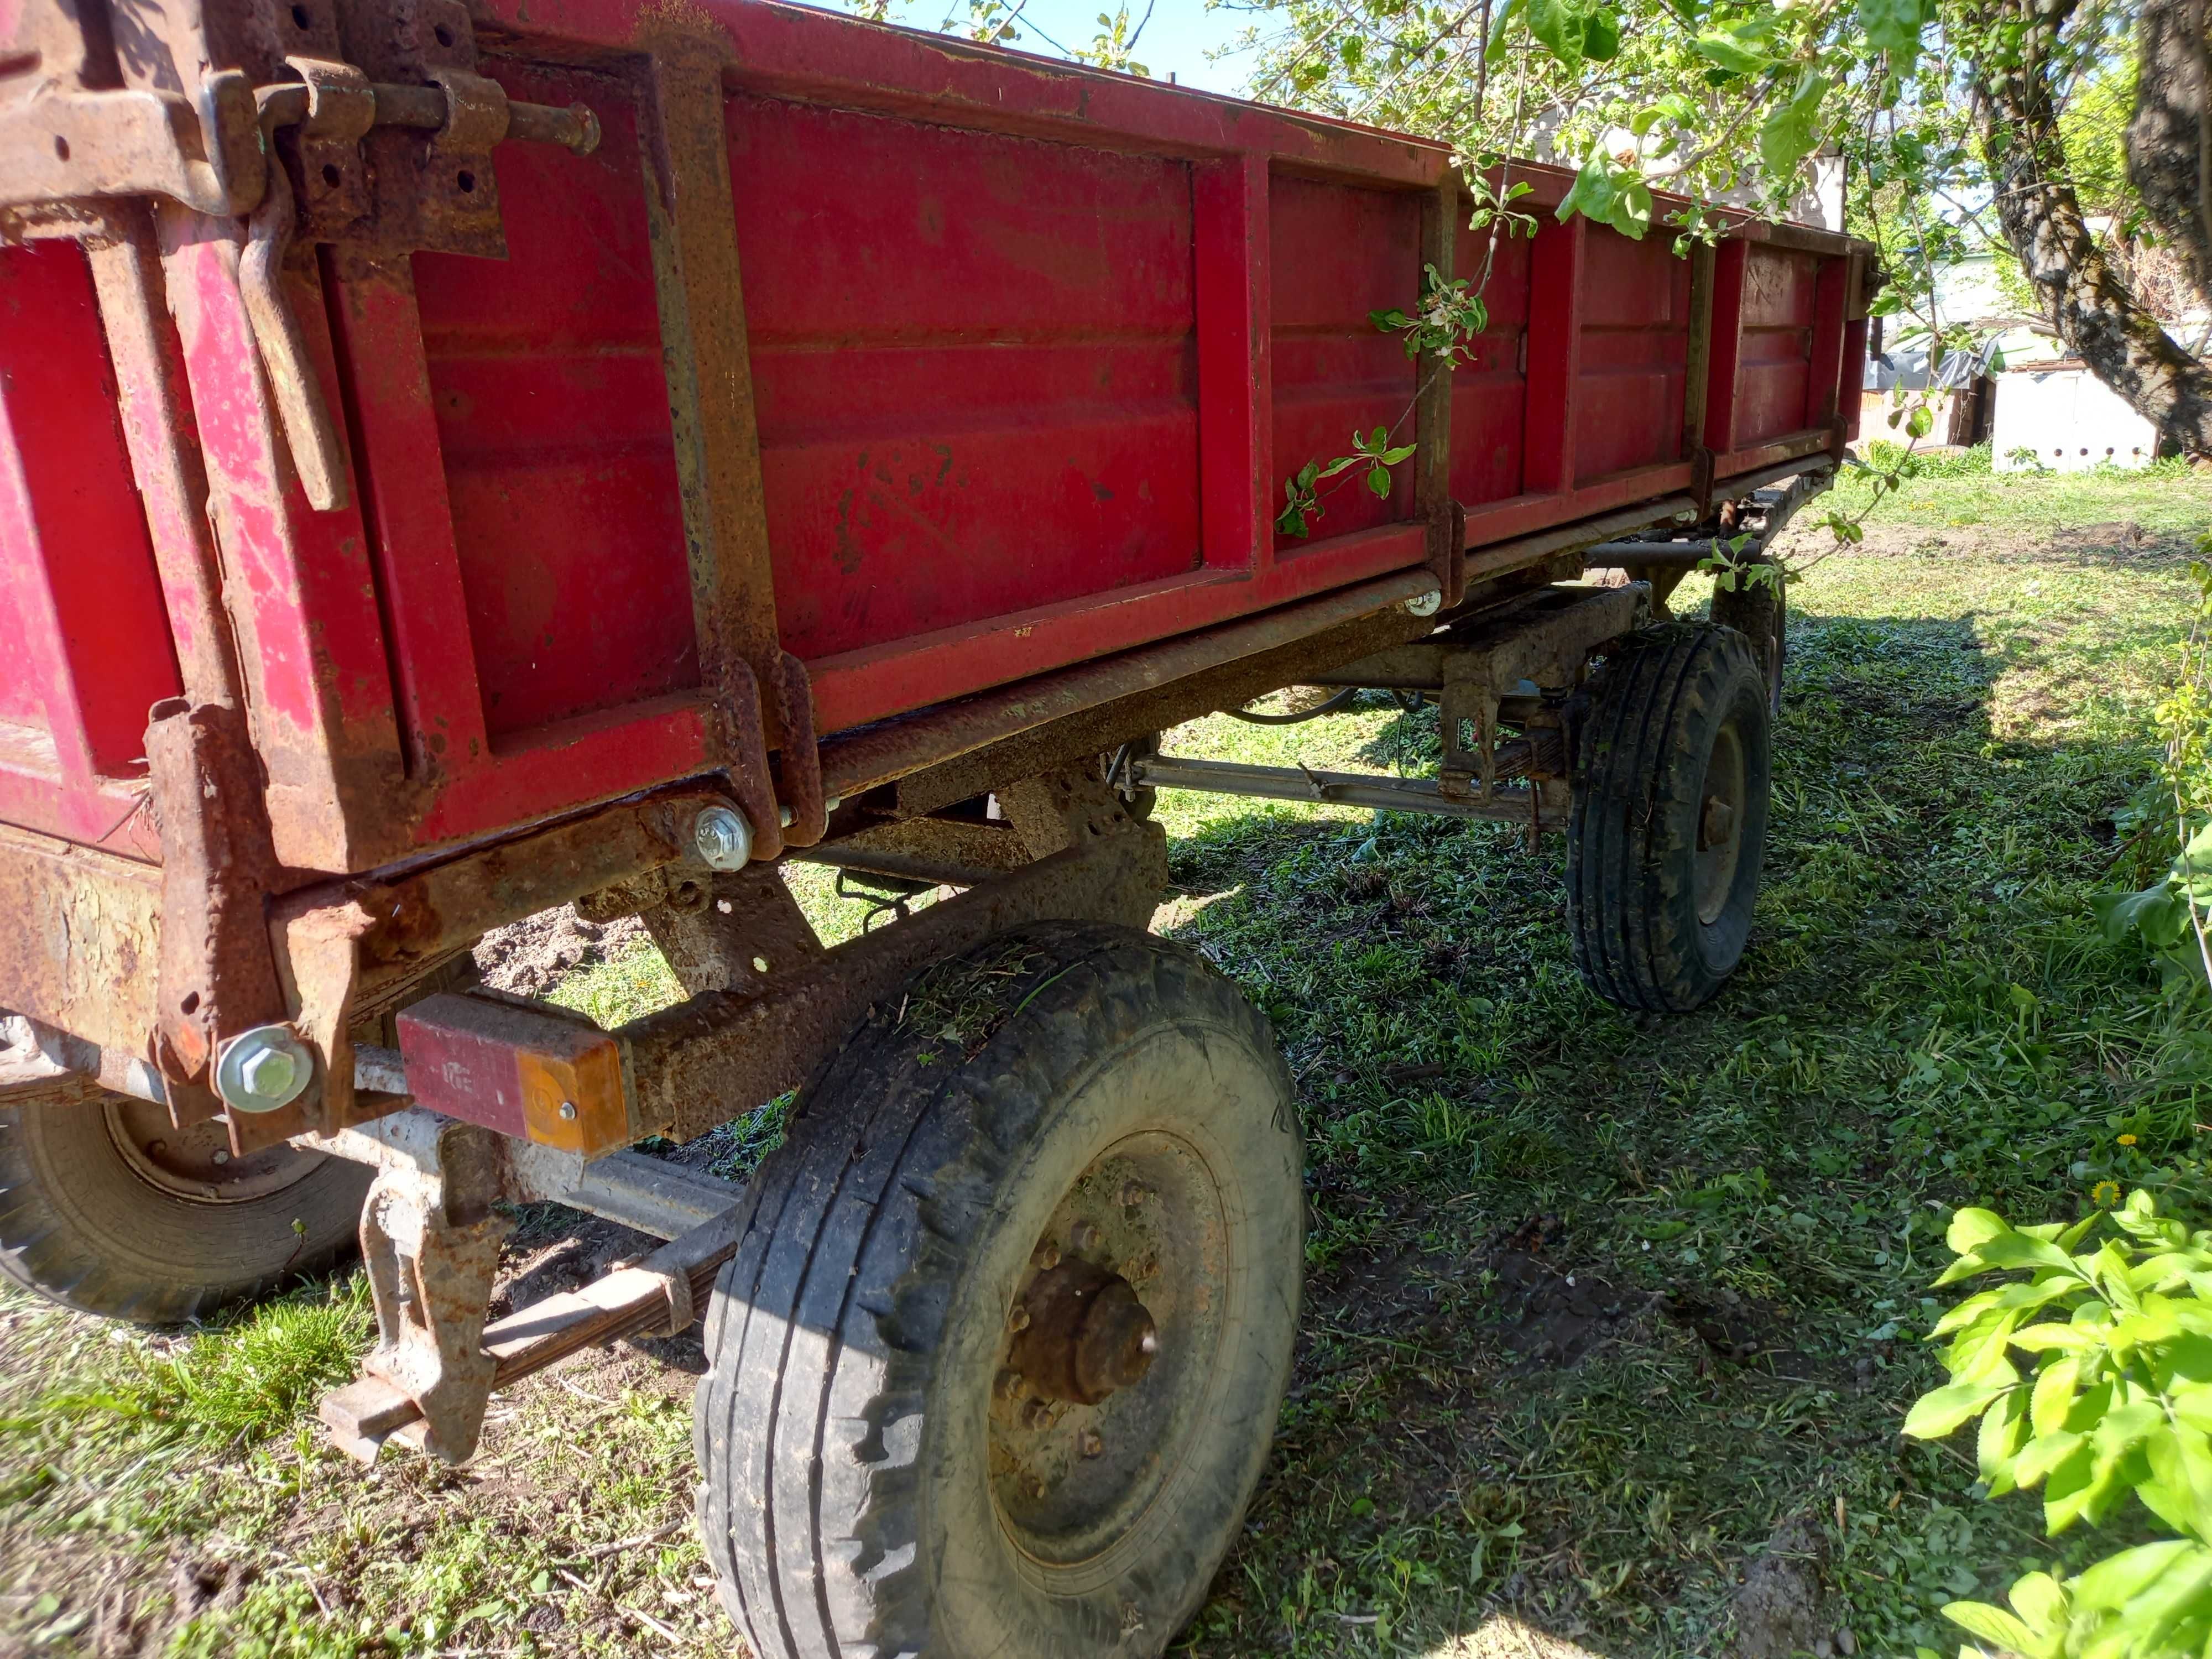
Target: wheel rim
(1136,1248)
(195,1161)
(1720,824)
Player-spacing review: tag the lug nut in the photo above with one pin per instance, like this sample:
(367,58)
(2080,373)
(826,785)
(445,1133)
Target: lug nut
(567,1111)
(1011,1385)
(1018,1318)
(221,1156)
(1134,1193)
(1093,1443)
(1084,1236)
(1035,1414)
(1037,1489)
(1047,1255)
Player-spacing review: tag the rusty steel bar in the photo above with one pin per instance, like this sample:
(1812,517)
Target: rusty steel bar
(881,754)
(1297,783)
(900,867)
(1504,555)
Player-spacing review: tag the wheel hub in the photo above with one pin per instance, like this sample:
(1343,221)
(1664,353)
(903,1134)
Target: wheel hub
(1086,1337)
(1720,824)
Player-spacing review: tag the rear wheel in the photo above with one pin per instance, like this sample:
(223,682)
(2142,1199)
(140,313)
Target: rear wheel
(995,1368)
(1669,825)
(108,1209)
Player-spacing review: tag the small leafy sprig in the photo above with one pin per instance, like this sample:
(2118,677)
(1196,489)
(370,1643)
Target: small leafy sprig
(1373,451)
(2120,1340)
(1730,571)
(1444,326)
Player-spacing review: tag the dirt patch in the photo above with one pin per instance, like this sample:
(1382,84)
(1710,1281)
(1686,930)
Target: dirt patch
(1781,1609)
(530,958)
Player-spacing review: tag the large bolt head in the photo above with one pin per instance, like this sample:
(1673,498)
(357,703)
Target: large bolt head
(263,1070)
(723,837)
(1425,604)
(268,1074)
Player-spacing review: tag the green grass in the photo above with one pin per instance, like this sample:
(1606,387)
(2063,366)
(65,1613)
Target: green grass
(1750,1200)
(2012,515)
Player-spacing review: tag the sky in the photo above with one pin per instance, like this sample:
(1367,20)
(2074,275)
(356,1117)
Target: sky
(1175,41)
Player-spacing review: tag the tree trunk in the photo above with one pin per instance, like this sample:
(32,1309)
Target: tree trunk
(2172,130)
(2095,315)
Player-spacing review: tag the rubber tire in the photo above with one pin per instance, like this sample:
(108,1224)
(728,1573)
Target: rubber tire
(1761,615)
(81,1227)
(1657,707)
(888,1234)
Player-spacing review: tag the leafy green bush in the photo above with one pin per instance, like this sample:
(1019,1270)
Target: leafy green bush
(2171,915)
(2119,1339)
(1883,456)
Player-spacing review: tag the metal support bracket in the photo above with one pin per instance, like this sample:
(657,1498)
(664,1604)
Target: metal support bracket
(430,1239)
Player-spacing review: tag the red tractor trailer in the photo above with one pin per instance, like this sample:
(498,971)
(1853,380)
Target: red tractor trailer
(460,459)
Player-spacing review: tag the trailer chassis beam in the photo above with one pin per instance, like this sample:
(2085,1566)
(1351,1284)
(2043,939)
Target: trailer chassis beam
(1527,803)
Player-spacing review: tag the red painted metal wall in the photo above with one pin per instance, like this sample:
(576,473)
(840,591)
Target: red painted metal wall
(87,647)
(1030,351)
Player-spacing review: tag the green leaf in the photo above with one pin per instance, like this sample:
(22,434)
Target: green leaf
(2054,1394)
(1971,1229)
(1991,1625)
(1557,25)
(2158,913)
(1921,420)
(1791,131)
(2003,1426)
(1730,53)
(1935,1415)
(1378,480)
(1893,25)
(1389,322)
(2043,1454)
(2040,1600)
(2114,1583)
(1391,457)
(1494,50)
(1601,37)
(1593,193)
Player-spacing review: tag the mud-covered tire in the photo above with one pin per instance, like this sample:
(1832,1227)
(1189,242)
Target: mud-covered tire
(1660,906)
(93,1220)
(1760,612)
(876,1479)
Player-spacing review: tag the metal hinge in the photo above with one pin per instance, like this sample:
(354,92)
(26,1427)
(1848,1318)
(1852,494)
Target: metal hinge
(397,163)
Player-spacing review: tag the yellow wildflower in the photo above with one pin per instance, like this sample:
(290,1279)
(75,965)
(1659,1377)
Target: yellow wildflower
(2105,1194)
(2127,1140)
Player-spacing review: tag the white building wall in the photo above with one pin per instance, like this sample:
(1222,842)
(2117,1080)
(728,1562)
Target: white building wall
(2070,419)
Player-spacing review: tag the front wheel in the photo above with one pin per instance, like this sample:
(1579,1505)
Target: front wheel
(995,1366)
(1669,824)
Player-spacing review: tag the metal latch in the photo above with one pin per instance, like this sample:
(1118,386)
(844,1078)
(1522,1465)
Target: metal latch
(335,102)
